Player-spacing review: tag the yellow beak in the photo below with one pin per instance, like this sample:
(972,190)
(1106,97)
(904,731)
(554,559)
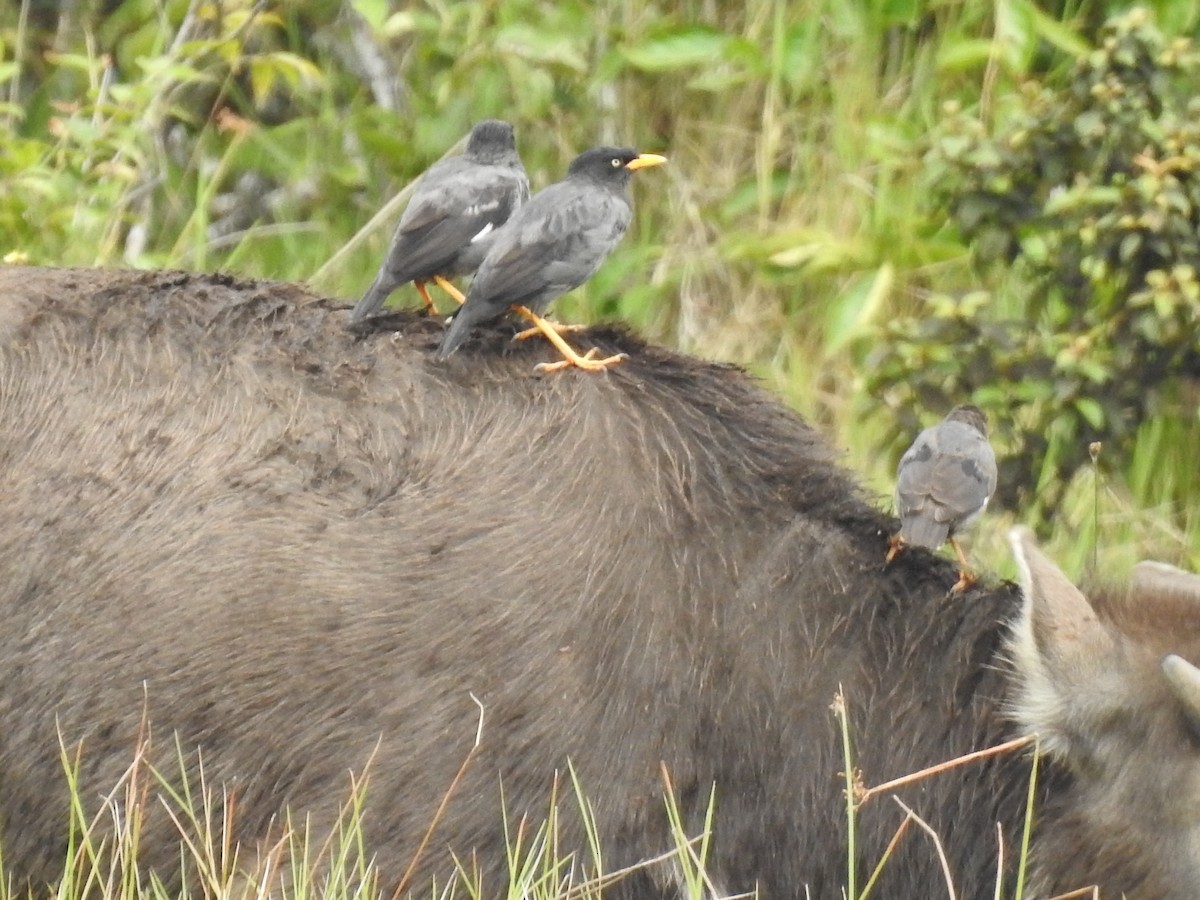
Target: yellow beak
(645,161)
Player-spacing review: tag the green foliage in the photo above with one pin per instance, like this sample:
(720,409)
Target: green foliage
(124,155)
(554,858)
(105,834)
(1082,208)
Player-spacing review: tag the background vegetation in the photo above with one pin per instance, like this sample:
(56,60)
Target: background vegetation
(882,207)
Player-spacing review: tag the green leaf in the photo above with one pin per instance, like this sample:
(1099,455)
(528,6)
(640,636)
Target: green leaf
(408,22)
(682,49)
(1058,34)
(374,11)
(1015,32)
(820,252)
(802,55)
(262,79)
(964,55)
(539,46)
(854,310)
(303,69)
(1091,411)
(898,12)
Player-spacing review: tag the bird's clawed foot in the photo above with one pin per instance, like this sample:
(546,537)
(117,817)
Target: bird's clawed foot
(587,362)
(966,579)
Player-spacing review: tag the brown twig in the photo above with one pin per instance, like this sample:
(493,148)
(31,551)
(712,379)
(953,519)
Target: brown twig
(1092,891)
(437,816)
(1015,744)
(937,844)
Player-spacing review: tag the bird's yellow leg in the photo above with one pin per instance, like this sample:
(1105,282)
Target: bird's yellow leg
(570,357)
(896,546)
(962,558)
(449,289)
(966,577)
(557,326)
(429,307)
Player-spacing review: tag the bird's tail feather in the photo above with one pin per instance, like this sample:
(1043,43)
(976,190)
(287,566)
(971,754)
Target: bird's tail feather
(924,531)
(460,327)
(372,300)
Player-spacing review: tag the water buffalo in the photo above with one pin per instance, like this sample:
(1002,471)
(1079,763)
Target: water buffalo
(285,550)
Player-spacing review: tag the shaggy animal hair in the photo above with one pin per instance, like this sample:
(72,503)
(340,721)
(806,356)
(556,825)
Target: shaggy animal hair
(293,549)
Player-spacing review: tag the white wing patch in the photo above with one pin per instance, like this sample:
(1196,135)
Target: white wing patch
(478,209)
(484,232)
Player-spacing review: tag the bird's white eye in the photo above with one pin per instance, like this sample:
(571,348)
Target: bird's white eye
(616,164)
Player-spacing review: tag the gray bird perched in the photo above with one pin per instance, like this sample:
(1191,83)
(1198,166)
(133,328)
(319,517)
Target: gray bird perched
(943,484)
(452,218)
(551,245)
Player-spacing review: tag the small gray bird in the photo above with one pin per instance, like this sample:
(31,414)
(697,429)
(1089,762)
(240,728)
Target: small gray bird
(452,218)
(943,484)
(551,245)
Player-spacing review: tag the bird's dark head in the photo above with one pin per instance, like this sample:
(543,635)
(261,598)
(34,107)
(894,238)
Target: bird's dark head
(612,165)
(491,140)
(969,414)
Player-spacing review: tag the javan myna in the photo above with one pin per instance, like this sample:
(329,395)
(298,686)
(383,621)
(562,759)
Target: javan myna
(452,218)
(943,484)
(551,245)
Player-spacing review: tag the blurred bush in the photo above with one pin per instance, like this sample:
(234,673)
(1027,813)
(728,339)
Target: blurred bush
(1081,204)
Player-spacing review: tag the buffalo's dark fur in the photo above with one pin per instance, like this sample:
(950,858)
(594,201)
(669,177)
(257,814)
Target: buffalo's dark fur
(295,547)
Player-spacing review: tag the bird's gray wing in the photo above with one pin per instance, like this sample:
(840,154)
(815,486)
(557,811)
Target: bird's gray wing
(963,473)
(915,474)
(920,521)
(453,206)
(551,245)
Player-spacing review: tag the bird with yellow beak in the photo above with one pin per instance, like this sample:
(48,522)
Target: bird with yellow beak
(551,245)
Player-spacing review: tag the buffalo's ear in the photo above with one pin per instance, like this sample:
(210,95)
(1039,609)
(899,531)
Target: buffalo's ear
(1062,653)
(1059,619)
(1157,580)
